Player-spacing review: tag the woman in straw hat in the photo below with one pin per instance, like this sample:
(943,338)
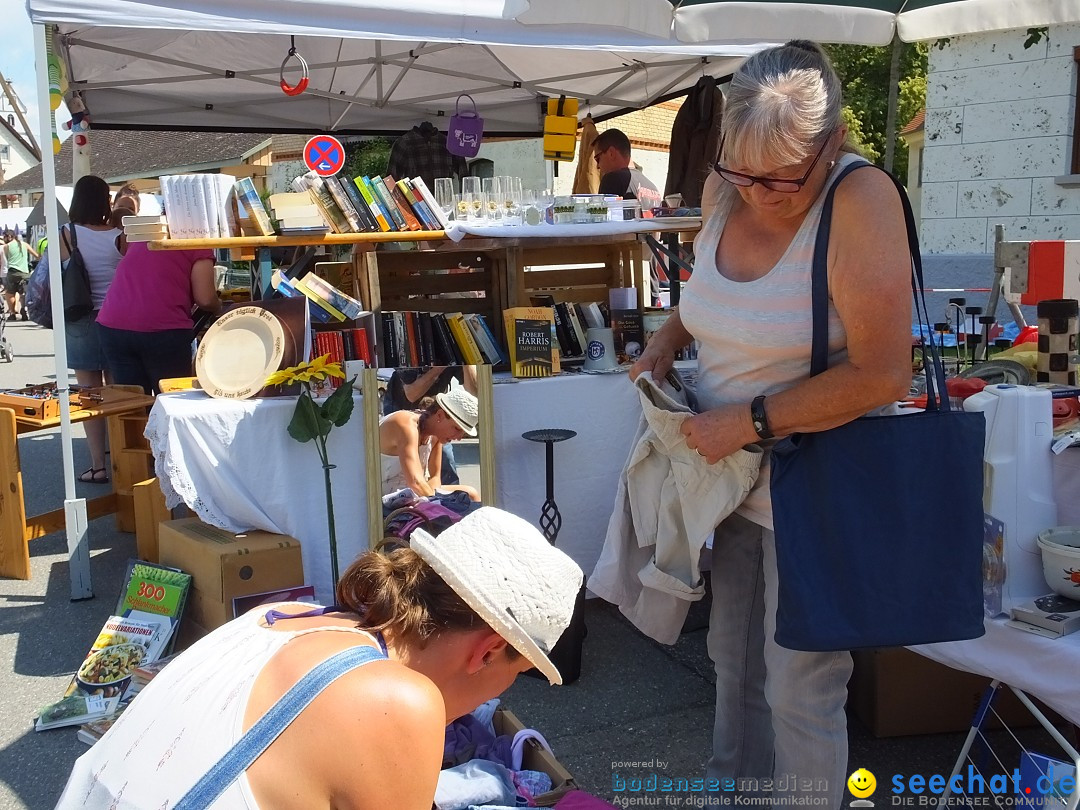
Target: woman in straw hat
(411,442)
(420,635)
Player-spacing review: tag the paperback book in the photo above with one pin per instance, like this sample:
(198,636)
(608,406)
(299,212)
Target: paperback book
(529,332)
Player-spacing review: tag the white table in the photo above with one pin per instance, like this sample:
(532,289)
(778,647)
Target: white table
(235,466)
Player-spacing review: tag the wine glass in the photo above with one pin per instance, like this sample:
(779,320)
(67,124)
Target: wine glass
(511,196)
(473,198)
(444,194)
(493,199)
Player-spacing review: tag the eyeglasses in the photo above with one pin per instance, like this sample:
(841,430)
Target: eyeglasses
(772,183)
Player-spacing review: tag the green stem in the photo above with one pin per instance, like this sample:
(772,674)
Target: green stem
(324,457)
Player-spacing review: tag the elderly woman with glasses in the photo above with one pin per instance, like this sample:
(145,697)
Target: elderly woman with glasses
(780,713)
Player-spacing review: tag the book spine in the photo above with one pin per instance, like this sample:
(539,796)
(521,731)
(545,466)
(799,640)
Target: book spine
(364,187)
(172,206)
(224,213)
(443,324)
(411,222)
(366,219)
(429,198)
(386,326)
(461,331)
(302,286)
(427,339)
(187,203)
(341,199)
(378,188)
(413,338)
(337,354)
(492,343)
(333,296)
(417,205)
(210,196)
(469,319)
(257,217)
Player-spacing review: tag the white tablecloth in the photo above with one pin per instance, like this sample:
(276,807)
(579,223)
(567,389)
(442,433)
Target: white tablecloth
(459,230)
(235,466)
(604,410)
(1044,667)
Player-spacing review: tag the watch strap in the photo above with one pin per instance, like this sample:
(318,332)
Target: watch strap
(760,418)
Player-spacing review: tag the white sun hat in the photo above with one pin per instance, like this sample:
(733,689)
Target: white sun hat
(461,406)
(505,570)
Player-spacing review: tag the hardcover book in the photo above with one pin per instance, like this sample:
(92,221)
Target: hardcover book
(381,218)
(529,338)
(628,334)
(254,221)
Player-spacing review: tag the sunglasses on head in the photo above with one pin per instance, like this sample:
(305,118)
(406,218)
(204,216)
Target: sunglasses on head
(782,185)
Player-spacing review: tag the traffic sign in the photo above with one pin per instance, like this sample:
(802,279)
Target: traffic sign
(324,155)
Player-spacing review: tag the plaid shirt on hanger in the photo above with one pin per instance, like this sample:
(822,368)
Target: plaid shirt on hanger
(422,152)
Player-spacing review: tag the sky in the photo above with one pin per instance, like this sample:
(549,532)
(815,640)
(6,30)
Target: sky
(17,62)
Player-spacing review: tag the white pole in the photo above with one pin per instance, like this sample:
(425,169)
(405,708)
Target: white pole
(74,508)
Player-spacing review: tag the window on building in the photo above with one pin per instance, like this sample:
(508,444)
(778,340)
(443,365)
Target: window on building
(1076,122)
(5,153)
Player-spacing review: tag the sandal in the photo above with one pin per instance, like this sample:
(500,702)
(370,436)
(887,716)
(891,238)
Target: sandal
(95,476)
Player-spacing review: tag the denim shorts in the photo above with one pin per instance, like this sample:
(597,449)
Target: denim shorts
(84,344)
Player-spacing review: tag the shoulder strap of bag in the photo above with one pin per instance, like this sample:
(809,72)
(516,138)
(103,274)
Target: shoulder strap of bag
(258,738)
(819,351)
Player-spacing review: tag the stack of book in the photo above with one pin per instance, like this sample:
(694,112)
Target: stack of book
(327,302)
(416,339)
(373,204)
(572,322)
(145,228)
(298,214)
(94,730)
(207,206)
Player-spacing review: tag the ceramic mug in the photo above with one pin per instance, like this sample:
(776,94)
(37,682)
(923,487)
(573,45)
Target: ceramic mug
(600,348)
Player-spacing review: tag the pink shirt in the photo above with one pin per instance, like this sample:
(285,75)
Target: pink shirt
(152,290)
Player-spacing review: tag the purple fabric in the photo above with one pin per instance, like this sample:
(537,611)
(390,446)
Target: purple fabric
(468,738)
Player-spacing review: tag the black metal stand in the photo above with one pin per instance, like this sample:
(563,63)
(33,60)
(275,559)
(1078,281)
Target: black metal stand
(566,654)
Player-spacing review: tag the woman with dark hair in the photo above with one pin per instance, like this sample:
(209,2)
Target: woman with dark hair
(419,636)
(101,246)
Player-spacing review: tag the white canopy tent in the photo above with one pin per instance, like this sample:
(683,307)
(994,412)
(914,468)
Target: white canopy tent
(375,66)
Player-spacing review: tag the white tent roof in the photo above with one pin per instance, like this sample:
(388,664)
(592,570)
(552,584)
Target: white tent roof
(376,65)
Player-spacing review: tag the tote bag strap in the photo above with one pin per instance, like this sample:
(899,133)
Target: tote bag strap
(269,727)
(819,352)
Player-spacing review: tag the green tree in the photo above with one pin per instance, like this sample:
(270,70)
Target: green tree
(864,74)
(369,156)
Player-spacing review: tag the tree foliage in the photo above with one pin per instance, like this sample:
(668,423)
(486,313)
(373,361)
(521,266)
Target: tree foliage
(368,157)
(864,75)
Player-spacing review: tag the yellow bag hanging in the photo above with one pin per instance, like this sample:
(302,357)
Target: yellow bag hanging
(560,129)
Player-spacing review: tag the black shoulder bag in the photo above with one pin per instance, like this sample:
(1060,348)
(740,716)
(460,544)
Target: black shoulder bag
(78,302)
(879,522)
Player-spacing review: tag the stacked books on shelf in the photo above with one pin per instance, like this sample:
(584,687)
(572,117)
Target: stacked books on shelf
(145,228)
(372,204)
(207,206)
(298,214)
(572,322)
(141,631)
(416,339)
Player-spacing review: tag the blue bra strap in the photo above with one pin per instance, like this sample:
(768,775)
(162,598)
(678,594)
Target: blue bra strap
(269,727)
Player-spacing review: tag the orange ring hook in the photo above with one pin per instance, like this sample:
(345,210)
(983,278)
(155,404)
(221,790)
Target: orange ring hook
(300,86)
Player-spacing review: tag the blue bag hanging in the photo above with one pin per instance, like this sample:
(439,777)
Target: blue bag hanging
(879,522)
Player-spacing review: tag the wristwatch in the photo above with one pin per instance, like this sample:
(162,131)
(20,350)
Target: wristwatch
(760,418)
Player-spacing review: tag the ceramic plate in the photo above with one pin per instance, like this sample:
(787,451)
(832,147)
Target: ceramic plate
(238,352)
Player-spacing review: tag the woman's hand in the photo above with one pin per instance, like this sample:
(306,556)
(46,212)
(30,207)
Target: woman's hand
(718,433)
(656,358)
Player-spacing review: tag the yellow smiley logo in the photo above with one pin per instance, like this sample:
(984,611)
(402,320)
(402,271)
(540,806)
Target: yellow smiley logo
(862,783)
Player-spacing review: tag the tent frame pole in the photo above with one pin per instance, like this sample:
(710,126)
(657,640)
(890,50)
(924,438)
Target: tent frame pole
(75,520)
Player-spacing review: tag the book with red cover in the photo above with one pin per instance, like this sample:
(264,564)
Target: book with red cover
(411,222)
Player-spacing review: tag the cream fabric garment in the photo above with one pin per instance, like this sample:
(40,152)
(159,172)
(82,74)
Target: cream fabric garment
(587,175)
(668,503)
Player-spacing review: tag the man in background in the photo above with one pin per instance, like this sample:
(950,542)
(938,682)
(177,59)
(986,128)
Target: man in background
(611,151)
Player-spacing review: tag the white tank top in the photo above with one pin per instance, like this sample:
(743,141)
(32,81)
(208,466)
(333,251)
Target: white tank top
(98,249)
(182,723)
(755,335)
(393,478)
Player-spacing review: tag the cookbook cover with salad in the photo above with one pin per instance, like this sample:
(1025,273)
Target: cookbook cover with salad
(147,613)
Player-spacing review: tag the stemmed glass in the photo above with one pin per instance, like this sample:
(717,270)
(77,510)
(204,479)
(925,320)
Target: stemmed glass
(472,200)
(493,199)
(511,198)
(444,194)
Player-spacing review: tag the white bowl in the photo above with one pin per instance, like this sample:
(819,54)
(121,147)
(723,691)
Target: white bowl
(1060,548)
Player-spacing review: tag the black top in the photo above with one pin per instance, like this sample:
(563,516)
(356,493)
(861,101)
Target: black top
(403,376)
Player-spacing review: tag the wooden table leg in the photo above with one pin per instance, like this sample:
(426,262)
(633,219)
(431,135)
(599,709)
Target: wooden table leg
(14,553)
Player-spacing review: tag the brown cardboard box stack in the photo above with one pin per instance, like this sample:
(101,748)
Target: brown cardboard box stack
(224,565)
(896,692)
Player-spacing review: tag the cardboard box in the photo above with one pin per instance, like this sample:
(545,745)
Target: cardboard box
(537,758)
(896,692)
(224,565)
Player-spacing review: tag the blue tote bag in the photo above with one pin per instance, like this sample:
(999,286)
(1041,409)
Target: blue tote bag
(879,522)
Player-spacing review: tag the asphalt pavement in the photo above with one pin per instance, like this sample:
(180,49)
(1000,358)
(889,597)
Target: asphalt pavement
(636,701)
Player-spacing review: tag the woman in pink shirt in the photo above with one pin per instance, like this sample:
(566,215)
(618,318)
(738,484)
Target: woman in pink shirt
(145,322)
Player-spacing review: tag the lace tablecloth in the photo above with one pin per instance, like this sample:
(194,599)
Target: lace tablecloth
(235,466)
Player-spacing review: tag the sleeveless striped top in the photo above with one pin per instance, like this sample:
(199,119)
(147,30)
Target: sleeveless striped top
(755,336)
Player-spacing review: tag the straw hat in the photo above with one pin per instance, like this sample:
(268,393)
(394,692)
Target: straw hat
(505,570)
(461,406)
